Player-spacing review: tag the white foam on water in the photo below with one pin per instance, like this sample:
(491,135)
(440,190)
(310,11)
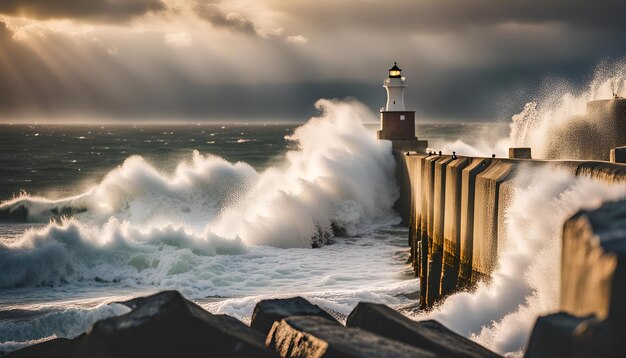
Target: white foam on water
(138,220)
(222,233)
(336,276)
(10,346)
(69,322)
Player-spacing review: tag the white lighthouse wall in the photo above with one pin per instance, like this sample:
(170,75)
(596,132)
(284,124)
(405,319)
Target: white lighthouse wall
(395,94)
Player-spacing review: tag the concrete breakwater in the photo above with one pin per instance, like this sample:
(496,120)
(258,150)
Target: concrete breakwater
(454,207)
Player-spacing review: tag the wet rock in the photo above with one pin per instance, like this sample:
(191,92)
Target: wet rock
(564,335)
(135,302)
(552,335)
(313,337)
(166,324)
(267,312)
(429,335)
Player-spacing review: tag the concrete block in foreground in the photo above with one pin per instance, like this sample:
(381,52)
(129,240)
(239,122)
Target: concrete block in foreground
(267,312)
(563,335)
(428,335)
(593,277)
(314,337)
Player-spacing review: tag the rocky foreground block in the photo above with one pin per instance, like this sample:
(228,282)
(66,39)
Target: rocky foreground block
(166,324)
(315,337)
(267,312)
(162,325)
(593,274)
(428,335)
(564,335)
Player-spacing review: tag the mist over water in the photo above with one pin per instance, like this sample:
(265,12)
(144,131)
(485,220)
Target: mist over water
(563,107)
(558,107)
(210,206)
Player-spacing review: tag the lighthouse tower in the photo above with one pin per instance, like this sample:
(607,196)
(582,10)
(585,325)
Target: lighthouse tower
(396,123)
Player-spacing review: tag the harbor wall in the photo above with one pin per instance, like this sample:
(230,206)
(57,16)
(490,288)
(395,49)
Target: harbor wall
(454,207)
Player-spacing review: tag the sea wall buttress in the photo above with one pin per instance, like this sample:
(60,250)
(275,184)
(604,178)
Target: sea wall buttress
(452,226)
(454,207)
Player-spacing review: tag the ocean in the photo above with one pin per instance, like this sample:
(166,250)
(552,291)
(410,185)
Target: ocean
(227,214)
(95,214)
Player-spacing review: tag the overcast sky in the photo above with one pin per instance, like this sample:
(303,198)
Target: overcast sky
(272,59)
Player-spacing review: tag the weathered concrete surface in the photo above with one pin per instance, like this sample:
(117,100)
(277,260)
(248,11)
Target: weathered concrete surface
(593,270)
(468,194)
(455,208)
(520,153)
(563,335)
(409,171)
(505,198)
(267,312)
(403,179)
(603,171)
(428,335)
(452,225)
(312,337)
(426,221)
(416,165)
(485,238)
(435,253)
(618,155)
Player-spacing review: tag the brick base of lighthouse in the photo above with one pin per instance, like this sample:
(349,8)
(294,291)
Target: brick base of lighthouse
(399,128)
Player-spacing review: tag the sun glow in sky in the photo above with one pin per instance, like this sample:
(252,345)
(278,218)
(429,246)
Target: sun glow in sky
(157,59)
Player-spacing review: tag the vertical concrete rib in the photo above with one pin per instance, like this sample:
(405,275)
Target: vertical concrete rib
(468,186)
(436,248)
(452,226)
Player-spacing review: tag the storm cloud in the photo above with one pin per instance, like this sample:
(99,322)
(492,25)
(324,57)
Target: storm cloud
(232,21)
(108,10)
(272,59)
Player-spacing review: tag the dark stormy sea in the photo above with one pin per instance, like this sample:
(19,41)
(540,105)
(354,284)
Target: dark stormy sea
(230,214)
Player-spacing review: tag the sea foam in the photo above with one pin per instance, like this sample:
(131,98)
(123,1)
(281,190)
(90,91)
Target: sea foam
(141,225)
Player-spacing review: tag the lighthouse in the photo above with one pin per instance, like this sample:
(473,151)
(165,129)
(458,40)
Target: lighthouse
(395,85)
(396,123)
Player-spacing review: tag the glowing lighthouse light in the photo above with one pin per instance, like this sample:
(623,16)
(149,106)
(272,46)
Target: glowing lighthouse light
(395,85)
